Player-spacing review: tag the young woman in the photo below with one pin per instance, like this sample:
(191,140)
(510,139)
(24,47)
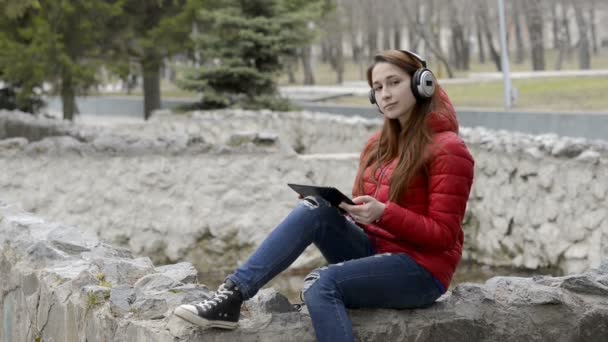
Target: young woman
(399,245)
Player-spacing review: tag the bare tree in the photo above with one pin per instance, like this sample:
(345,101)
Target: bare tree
(567,36)
(424,31)
(352,16)
(338,58)
(482,12)
(555,25)
(333,26)
(584,51)
(306,55)
(372,28)
(563,45)
(460,43)
(519,40)
(534,20)
(368,25)
(397,28)
(592,9)
(385,10)
(480,45)
(325,49)
(414,37)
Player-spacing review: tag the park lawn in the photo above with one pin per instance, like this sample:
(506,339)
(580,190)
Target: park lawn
(324,74)
(558,94)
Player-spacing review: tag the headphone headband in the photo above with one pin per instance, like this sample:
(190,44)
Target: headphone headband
(415,57)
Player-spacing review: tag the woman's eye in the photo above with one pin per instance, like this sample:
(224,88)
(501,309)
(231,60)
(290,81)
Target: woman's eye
(377,88)
(394,83)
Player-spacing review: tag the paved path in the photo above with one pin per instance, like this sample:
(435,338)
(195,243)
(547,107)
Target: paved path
(319,92)
(112,110)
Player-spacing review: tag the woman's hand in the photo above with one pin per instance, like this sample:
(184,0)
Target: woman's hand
(366,209)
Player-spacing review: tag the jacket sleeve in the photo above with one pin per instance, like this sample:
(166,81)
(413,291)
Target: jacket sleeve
(450,176)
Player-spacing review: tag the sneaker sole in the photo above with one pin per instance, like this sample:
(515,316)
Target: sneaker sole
(202,322)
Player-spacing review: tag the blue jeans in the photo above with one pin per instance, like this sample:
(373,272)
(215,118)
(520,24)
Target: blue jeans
(356,278)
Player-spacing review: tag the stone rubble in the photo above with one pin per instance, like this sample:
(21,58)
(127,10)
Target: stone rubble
(57,286)
(210,185)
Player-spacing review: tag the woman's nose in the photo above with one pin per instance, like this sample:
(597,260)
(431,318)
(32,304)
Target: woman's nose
(386,93)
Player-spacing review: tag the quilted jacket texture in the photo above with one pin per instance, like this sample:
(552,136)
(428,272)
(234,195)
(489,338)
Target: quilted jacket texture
(426,223)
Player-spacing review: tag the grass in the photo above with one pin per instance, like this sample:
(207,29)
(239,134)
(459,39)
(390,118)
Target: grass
(562,94)
(559,94)
(102,280)
(324,75)
(599,61)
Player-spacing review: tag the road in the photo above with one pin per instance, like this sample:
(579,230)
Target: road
(587,125)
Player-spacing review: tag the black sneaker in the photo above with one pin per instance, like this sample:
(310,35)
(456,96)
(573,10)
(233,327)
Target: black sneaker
(222,310)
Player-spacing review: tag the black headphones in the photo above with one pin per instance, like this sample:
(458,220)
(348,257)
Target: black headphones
(422,84)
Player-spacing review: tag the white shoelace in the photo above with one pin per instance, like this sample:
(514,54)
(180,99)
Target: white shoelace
(221,294)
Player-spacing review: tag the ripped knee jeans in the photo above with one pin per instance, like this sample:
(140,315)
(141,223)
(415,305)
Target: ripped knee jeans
(356,275)
(313,220)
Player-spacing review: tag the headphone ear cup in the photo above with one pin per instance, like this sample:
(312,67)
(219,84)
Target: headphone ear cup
(372,99)
(423,84)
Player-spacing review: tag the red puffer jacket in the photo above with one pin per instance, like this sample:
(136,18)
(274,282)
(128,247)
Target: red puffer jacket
(426,223)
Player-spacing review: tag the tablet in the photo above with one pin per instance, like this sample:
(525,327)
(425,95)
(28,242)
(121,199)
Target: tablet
(331,194)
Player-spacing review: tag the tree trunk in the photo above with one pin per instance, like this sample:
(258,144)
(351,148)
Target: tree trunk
(309,77)
(386,34)
(397,34)
(482,13)
(466,51)
(336,50)
(68,97)
(325,50)
(339,57)
(593,28)
(584,51)
(339,62)
(562,48)
(555,26)
(290,65)
(355,51)
(480,46)
(456,55)
(352,11)
(413,26)
(534,19)
(372,42)
(372,29)
(151,73)
(519,40)
(460,45)
(435,18)
(566,29)
(493,51)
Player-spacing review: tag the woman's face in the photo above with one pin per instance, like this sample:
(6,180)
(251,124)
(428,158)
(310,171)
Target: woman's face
(392,89)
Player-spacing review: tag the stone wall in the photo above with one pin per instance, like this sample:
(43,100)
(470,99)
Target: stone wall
(60,283)
(208,186)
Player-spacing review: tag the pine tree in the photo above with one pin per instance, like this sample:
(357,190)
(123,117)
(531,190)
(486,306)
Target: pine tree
(243,46)
(20,80)
(152,31)
(62,42)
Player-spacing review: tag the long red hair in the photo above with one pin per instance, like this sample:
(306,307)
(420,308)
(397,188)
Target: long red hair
(408,143)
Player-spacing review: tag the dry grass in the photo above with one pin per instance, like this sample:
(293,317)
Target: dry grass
(559,94)
(324,75)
